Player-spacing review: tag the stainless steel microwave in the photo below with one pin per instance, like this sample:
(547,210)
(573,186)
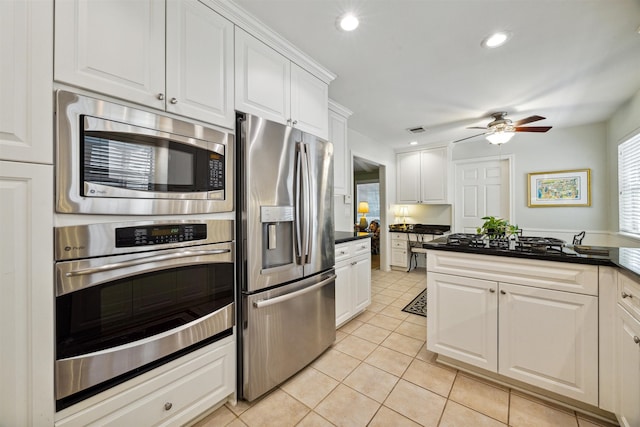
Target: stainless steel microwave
(118,160)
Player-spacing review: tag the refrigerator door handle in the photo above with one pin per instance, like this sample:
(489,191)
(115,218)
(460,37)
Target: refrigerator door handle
(267,302)
(298,218)
(306,199)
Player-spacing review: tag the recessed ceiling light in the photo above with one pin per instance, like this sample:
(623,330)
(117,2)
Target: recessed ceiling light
(348,22)
(496,39)
(413,143)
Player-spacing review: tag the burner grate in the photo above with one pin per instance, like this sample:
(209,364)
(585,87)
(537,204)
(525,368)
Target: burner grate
(526,244)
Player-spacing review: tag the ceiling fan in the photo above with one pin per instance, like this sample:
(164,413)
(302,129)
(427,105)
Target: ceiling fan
(501,129)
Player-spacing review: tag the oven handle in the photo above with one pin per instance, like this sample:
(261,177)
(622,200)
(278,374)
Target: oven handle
(267,302)
(144,260)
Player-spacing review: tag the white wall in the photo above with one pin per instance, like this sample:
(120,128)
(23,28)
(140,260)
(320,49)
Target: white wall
(559,149)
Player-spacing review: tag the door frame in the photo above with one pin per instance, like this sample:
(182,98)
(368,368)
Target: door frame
(510,159)
(385,248)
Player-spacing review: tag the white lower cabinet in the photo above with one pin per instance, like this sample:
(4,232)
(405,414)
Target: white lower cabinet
(190,386)
(26,299)
(628,369)
(353,279)
(542,337)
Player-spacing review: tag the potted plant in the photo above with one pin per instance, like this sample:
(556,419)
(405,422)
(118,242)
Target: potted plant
(497,228)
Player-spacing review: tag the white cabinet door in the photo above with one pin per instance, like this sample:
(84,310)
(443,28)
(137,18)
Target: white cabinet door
(399,257)
(550,339)
(262,79)
(309,102)
(408,177)
(628,369)
(26,105)
(343,292)
(463,319)
(27,300)
(115,47)
(362,283)
(338,137)
(199,63)
(433,175)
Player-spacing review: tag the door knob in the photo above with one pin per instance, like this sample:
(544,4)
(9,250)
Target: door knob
(503,292)
(168,406)
(636,339)
(173,101)
(161,96)
(493,291)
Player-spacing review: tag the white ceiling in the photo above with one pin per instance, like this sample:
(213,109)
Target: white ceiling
(420,63)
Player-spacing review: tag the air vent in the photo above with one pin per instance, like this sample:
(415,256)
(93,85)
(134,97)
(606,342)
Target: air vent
(417,129)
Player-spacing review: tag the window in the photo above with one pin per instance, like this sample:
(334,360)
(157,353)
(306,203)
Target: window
(629,185)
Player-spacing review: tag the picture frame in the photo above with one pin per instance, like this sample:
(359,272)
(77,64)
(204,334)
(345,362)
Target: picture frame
(567,188)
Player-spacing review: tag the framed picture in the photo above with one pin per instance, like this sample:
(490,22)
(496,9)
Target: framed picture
(560,188)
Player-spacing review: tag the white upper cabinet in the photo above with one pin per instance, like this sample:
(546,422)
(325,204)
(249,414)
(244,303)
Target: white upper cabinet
(199,63)
(26,106)
(422,176)
(113,47)
(338,116)
(269,85)
(118,48)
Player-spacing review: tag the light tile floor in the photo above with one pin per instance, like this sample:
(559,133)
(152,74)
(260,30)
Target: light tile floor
(379,373)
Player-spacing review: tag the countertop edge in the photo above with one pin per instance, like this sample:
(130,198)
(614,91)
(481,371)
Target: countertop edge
(345,236)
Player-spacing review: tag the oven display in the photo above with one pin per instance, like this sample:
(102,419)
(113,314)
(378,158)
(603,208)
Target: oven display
(157,235)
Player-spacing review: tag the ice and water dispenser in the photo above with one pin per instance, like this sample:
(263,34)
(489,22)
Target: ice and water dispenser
(277,235)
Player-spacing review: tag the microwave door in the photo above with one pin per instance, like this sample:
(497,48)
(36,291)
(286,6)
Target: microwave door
(270,232)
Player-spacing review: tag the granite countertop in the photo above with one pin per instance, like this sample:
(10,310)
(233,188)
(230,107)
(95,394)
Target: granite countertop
(626,258)
(347,236)
(423,229)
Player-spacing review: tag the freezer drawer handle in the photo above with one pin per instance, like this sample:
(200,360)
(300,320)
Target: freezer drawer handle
(267,302)
(144,260)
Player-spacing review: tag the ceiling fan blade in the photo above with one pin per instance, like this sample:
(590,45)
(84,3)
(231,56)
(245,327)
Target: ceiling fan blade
(533,128)
(526,120)
(477,127)
(469,137)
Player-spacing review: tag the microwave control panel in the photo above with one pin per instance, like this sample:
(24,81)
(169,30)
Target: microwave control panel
(159,234)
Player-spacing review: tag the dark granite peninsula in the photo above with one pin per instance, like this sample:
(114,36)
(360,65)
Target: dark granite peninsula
(348,236)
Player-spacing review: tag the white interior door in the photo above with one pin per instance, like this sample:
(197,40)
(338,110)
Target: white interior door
(482,188)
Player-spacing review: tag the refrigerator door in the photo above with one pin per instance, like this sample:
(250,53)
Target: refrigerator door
(317,204)
(284,329)
(268,185)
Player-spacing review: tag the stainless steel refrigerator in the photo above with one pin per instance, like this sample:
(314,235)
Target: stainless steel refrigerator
(286,315)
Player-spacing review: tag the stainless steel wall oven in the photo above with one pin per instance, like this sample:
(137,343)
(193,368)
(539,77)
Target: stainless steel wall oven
(114,159)
(131,296)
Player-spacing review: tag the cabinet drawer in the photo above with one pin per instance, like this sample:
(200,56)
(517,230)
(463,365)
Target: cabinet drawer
(361,246)
(402,244)
(171,398)
(629,295)
(343,251)
(399,236)
(561,276)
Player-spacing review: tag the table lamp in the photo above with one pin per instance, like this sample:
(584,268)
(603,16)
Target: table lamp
(404,211)
(363,208)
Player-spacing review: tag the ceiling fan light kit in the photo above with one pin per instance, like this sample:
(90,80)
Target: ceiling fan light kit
(502,129)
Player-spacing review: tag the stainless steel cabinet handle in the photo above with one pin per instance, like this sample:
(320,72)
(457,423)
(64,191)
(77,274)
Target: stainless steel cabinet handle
(267,302)
(295,122)
(161,96)
(354,262)
(144,260)
(168,406)
(503,292)
(626,295)
(173,101)
(636,339)
(493,291)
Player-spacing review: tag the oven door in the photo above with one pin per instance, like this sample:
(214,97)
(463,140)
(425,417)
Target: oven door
(118,314)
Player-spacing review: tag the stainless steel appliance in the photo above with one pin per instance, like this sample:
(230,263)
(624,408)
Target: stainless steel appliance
(286,252)
(115,159)
(131,296)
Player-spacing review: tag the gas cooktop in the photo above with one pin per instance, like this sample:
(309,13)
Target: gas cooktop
(524,244)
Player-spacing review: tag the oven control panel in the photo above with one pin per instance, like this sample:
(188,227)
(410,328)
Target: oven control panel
(159,234)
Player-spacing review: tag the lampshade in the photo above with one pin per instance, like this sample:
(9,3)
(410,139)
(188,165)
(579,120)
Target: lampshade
(404,211)
(500,137)
(363,207)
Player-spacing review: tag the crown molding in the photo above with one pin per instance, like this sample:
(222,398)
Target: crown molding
(340,109)
(252,25)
